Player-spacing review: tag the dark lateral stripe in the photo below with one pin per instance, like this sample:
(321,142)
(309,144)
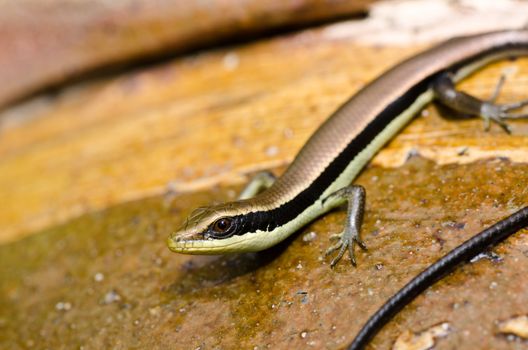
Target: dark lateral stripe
(269,220)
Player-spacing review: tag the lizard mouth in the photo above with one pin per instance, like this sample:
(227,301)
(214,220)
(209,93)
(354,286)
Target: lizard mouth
(202,246)
(182,241)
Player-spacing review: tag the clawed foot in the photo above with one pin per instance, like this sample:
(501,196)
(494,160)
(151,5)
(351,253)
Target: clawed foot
(492,112)
(345,240)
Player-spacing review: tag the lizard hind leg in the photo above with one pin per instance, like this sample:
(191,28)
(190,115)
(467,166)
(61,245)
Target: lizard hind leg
(490,111)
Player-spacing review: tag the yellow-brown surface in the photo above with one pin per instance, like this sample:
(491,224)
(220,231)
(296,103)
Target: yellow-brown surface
(213,117)
(127,154)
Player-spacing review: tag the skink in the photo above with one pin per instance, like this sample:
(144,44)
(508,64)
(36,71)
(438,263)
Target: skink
(319,178)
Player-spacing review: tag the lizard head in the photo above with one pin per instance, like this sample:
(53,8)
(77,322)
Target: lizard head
(216,229)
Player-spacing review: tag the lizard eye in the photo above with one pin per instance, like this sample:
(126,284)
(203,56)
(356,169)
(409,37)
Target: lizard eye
(222,225)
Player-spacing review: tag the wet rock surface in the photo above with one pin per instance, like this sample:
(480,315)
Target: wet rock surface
(106,279)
